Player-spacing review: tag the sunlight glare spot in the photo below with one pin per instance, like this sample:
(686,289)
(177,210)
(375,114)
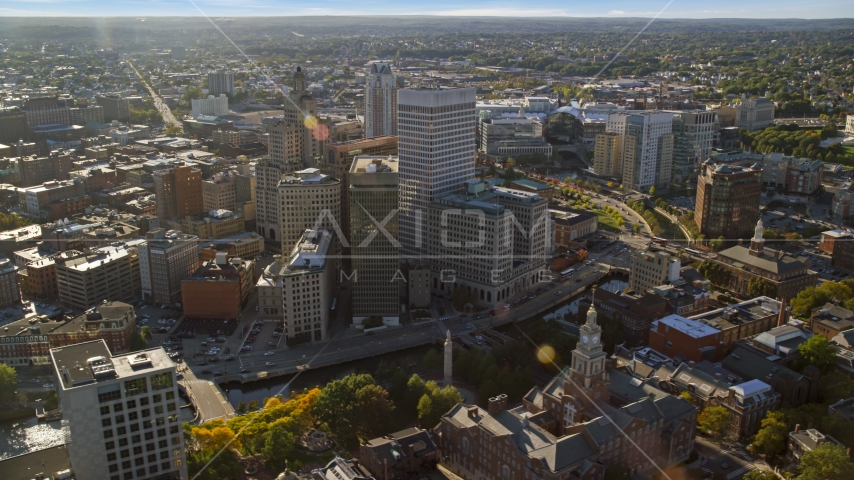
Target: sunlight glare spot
(545,354)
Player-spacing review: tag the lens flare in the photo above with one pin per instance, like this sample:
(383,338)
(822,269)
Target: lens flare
(321,132)
(310,122)
(545,354)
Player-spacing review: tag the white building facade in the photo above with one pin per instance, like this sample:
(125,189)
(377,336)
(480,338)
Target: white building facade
(436,148)
(213,106)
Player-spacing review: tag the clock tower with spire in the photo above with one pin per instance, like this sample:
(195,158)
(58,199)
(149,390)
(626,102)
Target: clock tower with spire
(588,381)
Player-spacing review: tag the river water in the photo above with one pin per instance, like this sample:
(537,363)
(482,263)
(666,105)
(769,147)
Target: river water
(22,436)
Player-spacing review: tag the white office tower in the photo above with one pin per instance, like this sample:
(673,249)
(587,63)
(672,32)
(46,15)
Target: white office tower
(213,106)
(221,82)
(380,101)
(647,147)
(120,413)
(436,148)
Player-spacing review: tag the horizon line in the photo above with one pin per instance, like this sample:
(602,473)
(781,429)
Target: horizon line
(547,17)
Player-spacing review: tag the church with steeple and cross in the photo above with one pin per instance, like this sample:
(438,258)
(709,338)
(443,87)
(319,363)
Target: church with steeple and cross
(588,417)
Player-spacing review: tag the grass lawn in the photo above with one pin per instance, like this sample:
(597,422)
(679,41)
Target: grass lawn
(606,221)
(848,150)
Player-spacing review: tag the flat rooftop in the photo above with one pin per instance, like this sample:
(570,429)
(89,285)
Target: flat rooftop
(90,362)
(692,328)
(739,313)
(48,461)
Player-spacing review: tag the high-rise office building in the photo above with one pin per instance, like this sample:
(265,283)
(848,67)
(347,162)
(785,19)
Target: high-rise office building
(338,159)
(693,134)
(727,200)
(436,148)
(301,110)
(373,236)
(308,200)
(165,259)
(647,147)
(178,192)
(284,157)
(608,155)
(221,82)
(115,107)
(121,412)
(489,242)
(380,101)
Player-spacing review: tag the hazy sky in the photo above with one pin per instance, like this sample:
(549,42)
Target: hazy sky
(549,8)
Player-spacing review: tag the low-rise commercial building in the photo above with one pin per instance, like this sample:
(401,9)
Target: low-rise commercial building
(54,200)
(803,441)
(744,320)
(218,289)
(686,339)
(400,454)
(572,227)
(829,238)
(112,322)
(243,245)
(215,224)
(795,388)
(651,269)
(830,320)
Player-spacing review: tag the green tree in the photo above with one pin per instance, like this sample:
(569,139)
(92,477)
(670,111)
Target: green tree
(432,360)
(835,386)
(652,191)
(808,299)
(145,333)
(828,461)
(636,227)
(8,382)
(717,243)
(173,129)
(817,351)
(425,410)
(137,342)
(338,407)
(759,287)
(714,420)
(279,445)
(771,437)
(376,411)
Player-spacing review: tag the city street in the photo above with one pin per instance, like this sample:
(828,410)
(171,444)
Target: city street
(731,460)
(168,116)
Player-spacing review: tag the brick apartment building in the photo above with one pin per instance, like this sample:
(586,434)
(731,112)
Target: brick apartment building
(830,320)
(178,192)
(10,289)
(829,238)
(34,170)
